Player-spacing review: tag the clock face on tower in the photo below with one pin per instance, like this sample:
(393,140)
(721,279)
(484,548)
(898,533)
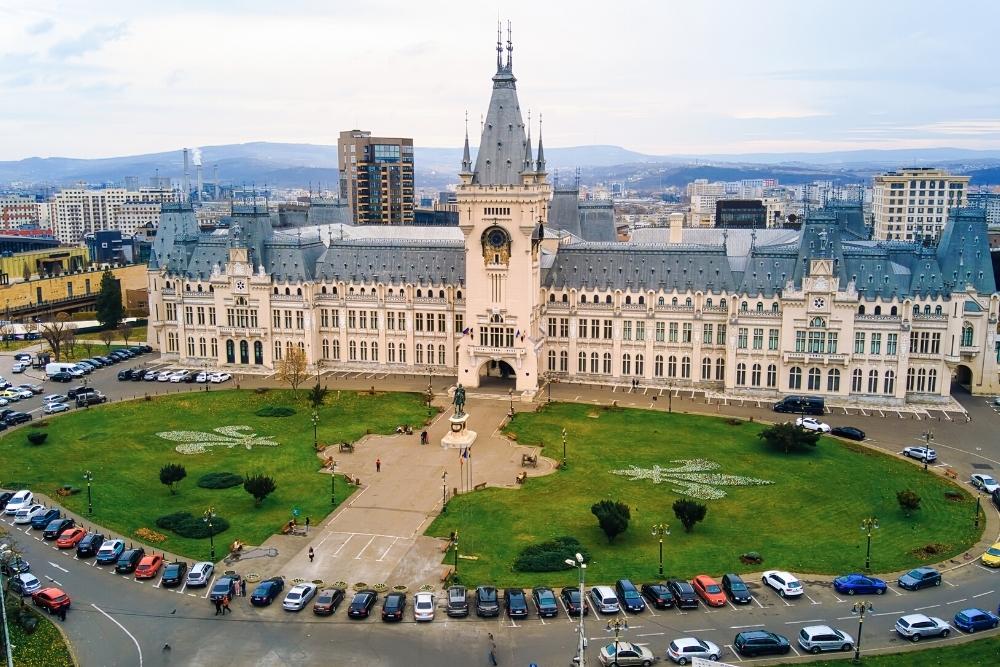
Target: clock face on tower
(241,285)
(819,302)
(496,245)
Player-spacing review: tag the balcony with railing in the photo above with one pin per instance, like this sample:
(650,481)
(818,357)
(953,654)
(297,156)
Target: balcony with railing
(887,319)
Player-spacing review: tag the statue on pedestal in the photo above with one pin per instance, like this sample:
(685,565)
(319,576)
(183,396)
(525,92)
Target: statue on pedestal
(459,400)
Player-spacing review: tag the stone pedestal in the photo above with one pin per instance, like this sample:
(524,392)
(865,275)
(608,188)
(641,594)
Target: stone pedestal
(459,436)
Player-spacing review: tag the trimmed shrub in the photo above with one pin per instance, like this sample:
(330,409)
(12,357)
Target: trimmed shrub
(549,556)
(219,480)
(186,524)
(275,411)
(37,437)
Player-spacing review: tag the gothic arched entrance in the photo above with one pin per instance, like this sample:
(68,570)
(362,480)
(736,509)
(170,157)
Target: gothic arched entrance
(497,374)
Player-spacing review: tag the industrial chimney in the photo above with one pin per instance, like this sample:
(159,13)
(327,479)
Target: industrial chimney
(186,182)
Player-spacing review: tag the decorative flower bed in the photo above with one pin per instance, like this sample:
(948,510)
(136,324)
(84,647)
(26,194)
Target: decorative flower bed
(691,478)
(199,442)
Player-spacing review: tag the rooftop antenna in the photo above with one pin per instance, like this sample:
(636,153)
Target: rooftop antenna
(499,44)
(577,179)
(510,49)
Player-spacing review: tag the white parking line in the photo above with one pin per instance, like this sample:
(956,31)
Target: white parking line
(386,552)
(951,584)
(814,620)
(888,613)
(979,595)
(930,606)
(208,589)
(733,651)
(361,553)
(796,651)
(811,600)
(754,598)
(743,627)
(337,552)
(957,601)
(893,590)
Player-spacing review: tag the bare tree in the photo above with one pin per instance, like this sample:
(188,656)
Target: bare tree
(292,367)
(70,345)
(88,345)
(30,326)
(125,329)
(58,333)
(6,331)
(107,336)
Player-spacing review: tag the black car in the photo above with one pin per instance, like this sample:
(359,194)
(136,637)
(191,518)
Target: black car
(628,596)
(515,602)
(6,412)
(393,606)
(760,642)
(146,348)
(129,560)
(658,595)
(224,586)
(848,432)
(458,602)
(40,521)
(361,605)
(125,374)
(137,374)
(136,350)
(4,497)
(15,418)
(487,601)
(684,595)
(57,526)
(574,601)
(995,496)
(89,545)
(14,565)
(267,592)
(736,588)
(174,573)
(545,601)
(79,391)
(61,376)
(327,601)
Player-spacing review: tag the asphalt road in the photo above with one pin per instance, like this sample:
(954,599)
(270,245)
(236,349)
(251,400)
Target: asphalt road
(118,621)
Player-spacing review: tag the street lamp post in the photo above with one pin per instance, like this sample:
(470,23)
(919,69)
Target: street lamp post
(454,544)
(89,476)
(581,657)
(979,496)
(868,525)
(209,515)
(510,395)
(661,530)
(333,483)
(616,625)
(860,608)
(564,447)
(444,491)
(315,423)
(928,439)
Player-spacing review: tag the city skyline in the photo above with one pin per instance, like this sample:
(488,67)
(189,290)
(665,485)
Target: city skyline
(713,78)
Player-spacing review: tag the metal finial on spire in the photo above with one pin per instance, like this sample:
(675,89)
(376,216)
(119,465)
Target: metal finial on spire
(540,159)
(499,45)
(510,49)
(466,155)
(527,148)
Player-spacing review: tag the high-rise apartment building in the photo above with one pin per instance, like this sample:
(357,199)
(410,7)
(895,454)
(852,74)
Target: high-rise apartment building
(912,204)
(17,212)
(376,177)
(990,201)
(79,212)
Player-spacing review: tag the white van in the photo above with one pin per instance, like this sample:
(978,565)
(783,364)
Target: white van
(58,367)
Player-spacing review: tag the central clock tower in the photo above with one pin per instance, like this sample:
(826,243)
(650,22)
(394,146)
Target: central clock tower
(502,204)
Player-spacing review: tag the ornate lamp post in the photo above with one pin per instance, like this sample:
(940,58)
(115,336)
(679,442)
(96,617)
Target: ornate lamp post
(454,544)
(979,497)
(333,483)
(860,609)
(616,625)
(928,436)
(868,525)
(89,476)
(564,447)
(510,395)
(582,644)
(209,515)
(315,423)
(660,530)
(444,491)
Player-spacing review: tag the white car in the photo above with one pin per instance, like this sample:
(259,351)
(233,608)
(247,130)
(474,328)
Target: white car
(423,607)
(201,377)
(22,392)
(55,408)
(19,500)
(920,453)
(76,371)
(19,367)
(683,649)
(55,398)
(26,514)
(200,573)
(984,482)
(164,376)
(4,402)
(178,376)
(819,638)
(784,583)
(299,596)
(917,626)
(812,424)
(216,378)
(627,654)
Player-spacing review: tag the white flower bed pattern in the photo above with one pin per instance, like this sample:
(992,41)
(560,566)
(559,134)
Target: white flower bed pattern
(198,442)
(691,478)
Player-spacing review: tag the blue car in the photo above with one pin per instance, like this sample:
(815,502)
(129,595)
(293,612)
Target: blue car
(860,584)
(110,551)
(266,592)
(971,620)
(921,577)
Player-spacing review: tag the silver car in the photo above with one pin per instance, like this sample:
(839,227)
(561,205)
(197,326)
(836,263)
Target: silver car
(917,626)
(626,653)
(684,649)
(200,573)
(24,584)
(299,596)
(818,638)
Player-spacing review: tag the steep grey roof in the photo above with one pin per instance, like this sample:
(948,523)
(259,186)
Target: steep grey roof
(597,221)
(564,211)
(503,147)
(394,261)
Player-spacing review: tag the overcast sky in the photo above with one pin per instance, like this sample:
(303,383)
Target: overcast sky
(93,79)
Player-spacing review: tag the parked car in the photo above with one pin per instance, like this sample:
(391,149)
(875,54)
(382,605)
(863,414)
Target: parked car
(515,602)
(51,599)
(201,377)
(487,601)
(55,408)
(125,374)
(20,499)
(812,424)
(423,607)
(15,418)
(362,603)
(200,574)
(628,596)
(12,564)
(217,378)
(138,375)
(129,560)
(973,619)
(88,399)
(991,557)
(77,391)
(545,601)
(921,577)
(149,566)
(658,595)
(574,601)
(299,596)
(89,545)
(683,649)
(458,602)
(604,600)
(110,551)
(917,626)
(819,638)
(625,653)
(920,453)
(984,482)
(4,498)
(70,538)
(752,643)
(61,376)
(327,601)
(33,512)
(267,592)
(684,595)
(56,527)
(225,586)
(393,606)
(709,591)
(164,376)
(151,376)
(784,583)
(23,584)
(736,588)
(22,356)
(19,367)
(849,432)
(55,398)
(852,584)
(174,573)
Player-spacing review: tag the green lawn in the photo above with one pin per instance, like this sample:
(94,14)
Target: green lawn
(808,521)
(118,443)
(45,647)
(136,336)
(966,654)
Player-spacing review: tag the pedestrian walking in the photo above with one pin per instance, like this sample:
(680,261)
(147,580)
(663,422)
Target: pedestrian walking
(243,588)
(493,651)
(218,607)
(62,613)
(378,465)
(311,554)
(308,521)
(225,605)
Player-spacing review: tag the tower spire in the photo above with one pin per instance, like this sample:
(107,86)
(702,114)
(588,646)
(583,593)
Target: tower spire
(466,157)
(510,50)
(540,162)
(527,148)
(499,46)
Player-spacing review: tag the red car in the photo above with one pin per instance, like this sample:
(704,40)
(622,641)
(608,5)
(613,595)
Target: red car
(52,599)
(709,591)
(149,566)
(70,538)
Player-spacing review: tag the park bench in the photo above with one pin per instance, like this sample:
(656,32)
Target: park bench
(951,473)
(347,447)
(529,460)
(480,486)
(446,575)
(521,476)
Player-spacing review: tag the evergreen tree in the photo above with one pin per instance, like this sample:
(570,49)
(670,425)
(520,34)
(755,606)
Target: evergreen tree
(110,311)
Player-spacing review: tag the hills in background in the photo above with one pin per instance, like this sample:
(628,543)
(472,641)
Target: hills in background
(285,164)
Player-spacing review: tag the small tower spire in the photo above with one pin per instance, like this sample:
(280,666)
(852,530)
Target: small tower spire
(466,156)
(540,162)
(527,148)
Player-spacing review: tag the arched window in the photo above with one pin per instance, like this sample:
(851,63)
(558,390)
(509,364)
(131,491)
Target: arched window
(911,377)
(374,350)
(298,291)
(362,291)
(565,298)
(402,353)
(391,350)
(686,367)
(200,288)
(795,378)
(966,334)
(661,301)
(230,352)
(277,350)
(594,360)
(760,307)
(889,385)
(440,293)
(258,352)
(626,364)
(743,306)
(673,301)
(774,307)
(817,322)
(927,309)
(325,348)
(323,290)
(772,376)
(873,381)
(720,369)
(581,362)
(937,310)
(708,302)
(658,366)
(552,360)
(288,292)
(722,303)
(606,363)
(856,381)
(921,379)
(552,298)
(894,311)
(430,354)
(672,366)
(639,365)
(706,368)
(878,310)
(275,290)
(916,309)
(458,294)
(336,349)
(441,355)
(688,302)
(334,289)
(861,310)
(583,298)
(741,374)
(419,353)
(814,379)
(932,381)
(755,375)
(352,350)
(190,346)
(607,299)
(364,350)
(628,299)
(420,294)
(833,380)
(564,361)
(202,347)
(642,300)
